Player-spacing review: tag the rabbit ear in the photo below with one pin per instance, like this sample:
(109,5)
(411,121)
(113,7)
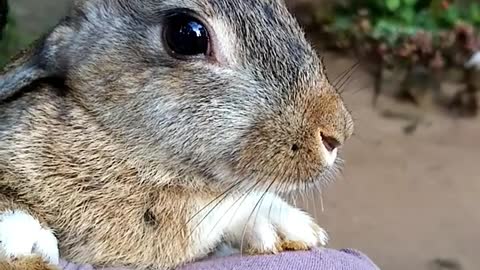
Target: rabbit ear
(44,59)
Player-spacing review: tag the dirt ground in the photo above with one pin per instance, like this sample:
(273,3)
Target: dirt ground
(404,200)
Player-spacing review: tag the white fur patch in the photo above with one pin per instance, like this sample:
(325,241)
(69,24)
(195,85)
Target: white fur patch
(474,61)
(224,250)
(22,235)
(236,221)
(330,157)
(224,43)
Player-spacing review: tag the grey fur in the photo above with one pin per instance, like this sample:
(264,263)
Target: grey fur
(103,80)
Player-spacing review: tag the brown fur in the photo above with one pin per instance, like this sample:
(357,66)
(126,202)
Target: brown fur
(33,263)
(96,203)
(115,148)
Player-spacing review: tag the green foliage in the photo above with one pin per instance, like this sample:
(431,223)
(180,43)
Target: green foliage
(11,42)
(474,13)
(392,20)
(434,35)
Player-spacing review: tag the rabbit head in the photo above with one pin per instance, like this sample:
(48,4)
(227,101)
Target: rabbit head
(229,90)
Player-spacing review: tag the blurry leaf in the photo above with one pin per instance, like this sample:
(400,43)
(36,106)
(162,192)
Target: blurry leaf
(343,23)
(452,15)
(386,30)
(393,21)
(408,15)
(392,5)
(474,13)
(410,2)
(425,20)
(11,42)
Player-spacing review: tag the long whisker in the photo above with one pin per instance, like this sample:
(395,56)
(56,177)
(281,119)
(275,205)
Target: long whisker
(236,202)
(344,86)
(260,201)
(342,75)
(284,185)
(345,74)
(314,202)
(277,187)
(254,209)
(232,187)
(270,174)
(341,87)
(220,199)
(321,202)
(363,88)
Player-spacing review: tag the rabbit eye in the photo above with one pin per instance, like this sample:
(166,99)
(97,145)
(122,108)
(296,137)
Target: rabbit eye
(186,36)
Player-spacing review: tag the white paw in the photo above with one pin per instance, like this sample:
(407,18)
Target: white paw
(258,236)
(273,226)
(298,226)
(22,235)
(224,250)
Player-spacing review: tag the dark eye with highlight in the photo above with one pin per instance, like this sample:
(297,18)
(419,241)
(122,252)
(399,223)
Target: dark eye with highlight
(186,36)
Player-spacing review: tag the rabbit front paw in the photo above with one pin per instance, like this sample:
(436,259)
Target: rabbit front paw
(21,235)
(277,226)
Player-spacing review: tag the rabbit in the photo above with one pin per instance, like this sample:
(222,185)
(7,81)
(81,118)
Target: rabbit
(147,133)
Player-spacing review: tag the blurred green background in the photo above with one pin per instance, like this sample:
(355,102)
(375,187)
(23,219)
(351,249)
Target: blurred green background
(27,20)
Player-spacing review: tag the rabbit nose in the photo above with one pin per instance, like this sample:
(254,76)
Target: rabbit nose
(329,142)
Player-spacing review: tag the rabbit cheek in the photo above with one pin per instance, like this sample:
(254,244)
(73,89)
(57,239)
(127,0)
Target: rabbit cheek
(298,145)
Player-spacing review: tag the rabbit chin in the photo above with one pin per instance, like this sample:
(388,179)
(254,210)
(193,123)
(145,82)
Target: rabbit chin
(225,177)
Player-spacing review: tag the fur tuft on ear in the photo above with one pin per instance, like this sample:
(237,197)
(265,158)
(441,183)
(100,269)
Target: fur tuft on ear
(21,72)
(43,59)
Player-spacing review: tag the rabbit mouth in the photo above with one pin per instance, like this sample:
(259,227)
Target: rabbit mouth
(281,178)
(286,164)
(317,180)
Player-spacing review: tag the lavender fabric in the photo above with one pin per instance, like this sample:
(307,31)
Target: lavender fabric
(325,259)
